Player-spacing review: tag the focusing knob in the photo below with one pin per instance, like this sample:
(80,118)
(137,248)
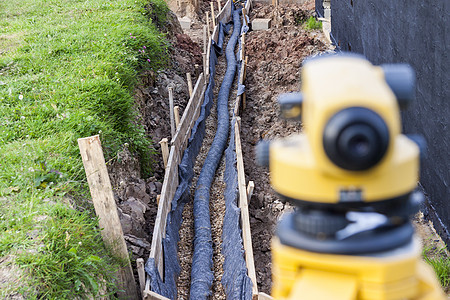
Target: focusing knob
(420,142)
(401,78)
(262,152)
(319,223)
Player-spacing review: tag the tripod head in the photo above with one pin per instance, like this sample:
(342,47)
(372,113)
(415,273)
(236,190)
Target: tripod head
(351,164)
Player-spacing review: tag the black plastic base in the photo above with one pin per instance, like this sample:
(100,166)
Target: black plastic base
(402,206)
(383,238)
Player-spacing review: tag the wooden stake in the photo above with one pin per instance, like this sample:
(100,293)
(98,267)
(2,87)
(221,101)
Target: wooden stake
(219,5)
(205,71)
(106,210)
(207,25)
(172,120)
(243,205)
(212,15)
(250,188)
(176,111)
(164,150)
(157,199)
(141,273)
(189,82)
(204,40)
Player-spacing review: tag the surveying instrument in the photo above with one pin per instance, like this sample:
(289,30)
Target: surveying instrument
(352,177)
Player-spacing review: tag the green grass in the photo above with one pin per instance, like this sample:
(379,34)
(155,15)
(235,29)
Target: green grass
(312,24)
(438,259)
(67,70)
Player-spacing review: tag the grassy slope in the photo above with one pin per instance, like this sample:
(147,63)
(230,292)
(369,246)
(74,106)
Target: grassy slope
(67,70)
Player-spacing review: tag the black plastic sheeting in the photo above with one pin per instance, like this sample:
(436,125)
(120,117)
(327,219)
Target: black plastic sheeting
(172,269)
(202,262)
(235,279)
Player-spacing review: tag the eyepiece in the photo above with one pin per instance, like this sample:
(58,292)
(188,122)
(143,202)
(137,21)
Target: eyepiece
(356,138)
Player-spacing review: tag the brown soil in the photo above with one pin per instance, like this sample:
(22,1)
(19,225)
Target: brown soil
(274,65)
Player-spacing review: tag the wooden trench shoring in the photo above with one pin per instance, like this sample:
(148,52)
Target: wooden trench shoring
(179,144)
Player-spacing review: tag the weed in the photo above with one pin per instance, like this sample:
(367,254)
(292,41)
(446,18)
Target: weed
(312,24)
(438,259)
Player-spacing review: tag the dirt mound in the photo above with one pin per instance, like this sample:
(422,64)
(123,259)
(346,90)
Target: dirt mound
(292,14)
(274,66)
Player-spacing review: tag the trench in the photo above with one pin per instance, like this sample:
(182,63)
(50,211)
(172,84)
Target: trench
(207,261)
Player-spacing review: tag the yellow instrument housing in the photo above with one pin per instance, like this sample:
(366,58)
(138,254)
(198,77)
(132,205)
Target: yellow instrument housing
(299,166)
(399,275)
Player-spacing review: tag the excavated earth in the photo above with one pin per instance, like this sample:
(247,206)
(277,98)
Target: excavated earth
(274,65)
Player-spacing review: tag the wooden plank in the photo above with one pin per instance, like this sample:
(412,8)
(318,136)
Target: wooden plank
(169,187)
(149,295)
(243,205)
(242,73)
(141,273)
(183,132)
(236,105)
(224,15)
(106,210)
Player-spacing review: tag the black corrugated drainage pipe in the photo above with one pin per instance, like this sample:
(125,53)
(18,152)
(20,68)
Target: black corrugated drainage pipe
(202,263)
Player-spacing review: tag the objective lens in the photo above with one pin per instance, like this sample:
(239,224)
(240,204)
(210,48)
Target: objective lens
(356,138)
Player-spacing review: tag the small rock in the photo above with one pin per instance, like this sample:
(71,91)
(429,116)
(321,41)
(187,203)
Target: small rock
(158,187)
(142,243)
(136,250)
(126,221)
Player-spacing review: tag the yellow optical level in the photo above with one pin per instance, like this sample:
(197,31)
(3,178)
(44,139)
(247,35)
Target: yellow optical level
(352,175)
